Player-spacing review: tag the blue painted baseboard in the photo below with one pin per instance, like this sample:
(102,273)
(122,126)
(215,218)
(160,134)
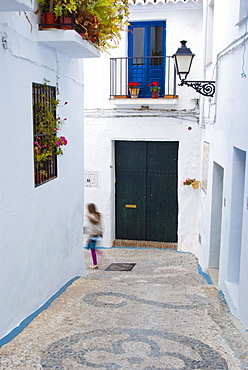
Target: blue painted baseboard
(204,274)
(28,319)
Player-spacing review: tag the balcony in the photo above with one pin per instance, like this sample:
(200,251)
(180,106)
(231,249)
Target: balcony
(143,70)
(65,36)
(16,5)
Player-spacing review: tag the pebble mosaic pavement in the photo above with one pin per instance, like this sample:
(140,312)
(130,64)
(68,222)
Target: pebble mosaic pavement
(160,315)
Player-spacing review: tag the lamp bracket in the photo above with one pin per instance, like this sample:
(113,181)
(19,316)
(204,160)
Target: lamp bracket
(206,88)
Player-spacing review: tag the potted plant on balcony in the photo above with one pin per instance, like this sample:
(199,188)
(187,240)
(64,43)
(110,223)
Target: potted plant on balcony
(65,11)
(98,21)
(154,88)
(56,12)
(47,15)
(133,89)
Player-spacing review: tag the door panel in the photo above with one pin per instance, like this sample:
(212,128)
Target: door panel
(162,185)
(131,190)
(146,190)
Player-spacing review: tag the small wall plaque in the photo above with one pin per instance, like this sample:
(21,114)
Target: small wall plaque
(91,179)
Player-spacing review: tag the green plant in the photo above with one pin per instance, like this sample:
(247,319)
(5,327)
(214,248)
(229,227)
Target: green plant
(189,181)
(154,86)
(66,7)
(102,21)
(46,5)
(58,7)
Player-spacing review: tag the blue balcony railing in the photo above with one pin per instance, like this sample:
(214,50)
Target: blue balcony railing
(143,70)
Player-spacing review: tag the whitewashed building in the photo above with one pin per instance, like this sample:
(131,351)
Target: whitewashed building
(115,122)
(41,222)
(223,212)
(210,134)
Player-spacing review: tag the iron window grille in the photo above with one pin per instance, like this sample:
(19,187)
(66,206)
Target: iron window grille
(43,97)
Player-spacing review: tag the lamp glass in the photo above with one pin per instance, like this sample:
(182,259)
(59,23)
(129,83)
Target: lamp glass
(183,60)
(184,63)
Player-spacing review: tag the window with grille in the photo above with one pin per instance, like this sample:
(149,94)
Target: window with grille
(44,128)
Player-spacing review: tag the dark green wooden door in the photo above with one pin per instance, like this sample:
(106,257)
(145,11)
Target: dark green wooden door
(146,190)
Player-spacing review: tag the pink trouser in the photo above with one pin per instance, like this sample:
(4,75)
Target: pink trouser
(93,255)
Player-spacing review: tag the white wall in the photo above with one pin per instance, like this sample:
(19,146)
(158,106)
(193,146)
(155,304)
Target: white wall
(41,228)
(151,126)
(225,119)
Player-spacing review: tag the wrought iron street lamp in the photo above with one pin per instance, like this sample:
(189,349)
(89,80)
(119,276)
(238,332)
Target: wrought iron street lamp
(183,60)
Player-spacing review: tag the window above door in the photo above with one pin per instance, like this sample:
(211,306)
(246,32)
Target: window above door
(146,52)
(146,71)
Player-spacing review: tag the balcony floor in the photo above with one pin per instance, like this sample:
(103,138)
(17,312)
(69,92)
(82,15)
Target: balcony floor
(167,100)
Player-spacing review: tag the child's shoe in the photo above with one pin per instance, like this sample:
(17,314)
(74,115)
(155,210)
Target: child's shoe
(94,267)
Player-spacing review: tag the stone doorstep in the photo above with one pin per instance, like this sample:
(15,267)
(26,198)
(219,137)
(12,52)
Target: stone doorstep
(143,244)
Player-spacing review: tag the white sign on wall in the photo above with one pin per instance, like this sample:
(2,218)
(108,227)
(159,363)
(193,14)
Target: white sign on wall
(205,166)
(91,179)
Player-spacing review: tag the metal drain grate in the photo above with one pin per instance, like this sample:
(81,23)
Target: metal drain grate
(120,267)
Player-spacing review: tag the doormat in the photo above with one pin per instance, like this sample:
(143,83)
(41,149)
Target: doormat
(120,267)
(143,244)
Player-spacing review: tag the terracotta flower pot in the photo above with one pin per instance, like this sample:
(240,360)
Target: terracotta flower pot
(134,92)
(65,23)
(195,184)
(155,94)
(48,20)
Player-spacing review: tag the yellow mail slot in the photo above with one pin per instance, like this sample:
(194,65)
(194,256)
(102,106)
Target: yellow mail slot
(130,206)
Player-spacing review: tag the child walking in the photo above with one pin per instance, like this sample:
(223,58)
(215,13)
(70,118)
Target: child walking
(94,230)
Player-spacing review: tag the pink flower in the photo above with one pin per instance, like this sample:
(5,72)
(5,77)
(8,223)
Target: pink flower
(58,143)
(63,139)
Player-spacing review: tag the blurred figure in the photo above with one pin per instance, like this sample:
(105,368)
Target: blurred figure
(94,231)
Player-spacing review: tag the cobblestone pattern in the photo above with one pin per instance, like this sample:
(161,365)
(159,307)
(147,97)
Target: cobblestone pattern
(92,299)
(161,315)
(112,349)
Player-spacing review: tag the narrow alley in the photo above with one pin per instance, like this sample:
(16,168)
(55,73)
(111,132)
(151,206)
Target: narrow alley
(161,314)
